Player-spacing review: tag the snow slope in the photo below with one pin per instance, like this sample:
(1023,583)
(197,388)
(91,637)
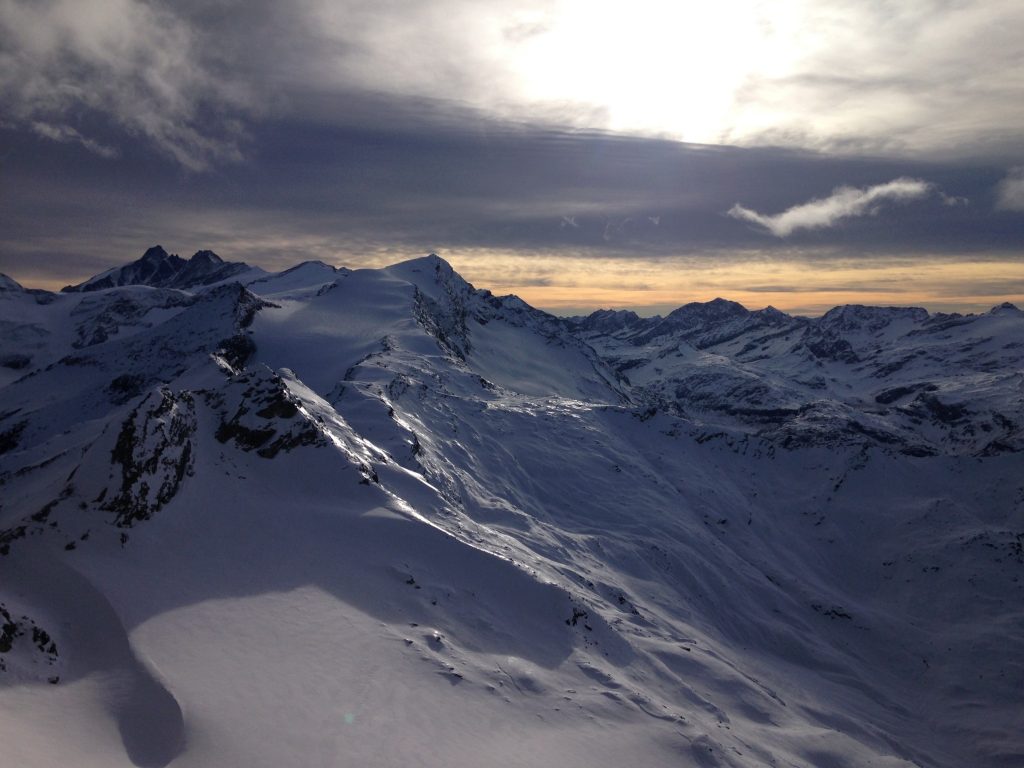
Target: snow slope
(380,517)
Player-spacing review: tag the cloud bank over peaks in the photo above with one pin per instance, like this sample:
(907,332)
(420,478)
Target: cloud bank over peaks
(844,203)
(135,65)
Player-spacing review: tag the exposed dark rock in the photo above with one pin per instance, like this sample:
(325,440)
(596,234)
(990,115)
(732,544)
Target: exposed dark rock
(15,361)
(267,419)
(944,412)
(9,437)
(159,269)
(23,635)
(125,387)
(831,348)
(889,396)
(237,350)
(154,454)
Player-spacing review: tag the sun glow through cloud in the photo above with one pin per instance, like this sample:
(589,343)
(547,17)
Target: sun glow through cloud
(837,75)
(663,67)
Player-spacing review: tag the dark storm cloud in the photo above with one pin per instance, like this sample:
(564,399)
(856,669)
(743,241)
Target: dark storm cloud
(412,184)
(139,66)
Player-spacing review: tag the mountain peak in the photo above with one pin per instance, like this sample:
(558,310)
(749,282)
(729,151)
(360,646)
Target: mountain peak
(159,269)
(10,284)
(771,314)
(717,308)
(430,274)
(851,317)
(155,253)
(206,257)
(608,314)
(1006,308)
(607,320)
(430,262)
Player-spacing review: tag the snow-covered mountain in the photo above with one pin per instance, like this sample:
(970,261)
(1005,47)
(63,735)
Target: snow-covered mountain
(159,269)
(381,517)
(918,383)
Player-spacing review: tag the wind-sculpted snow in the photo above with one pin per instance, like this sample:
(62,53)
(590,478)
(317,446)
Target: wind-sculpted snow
(381,517)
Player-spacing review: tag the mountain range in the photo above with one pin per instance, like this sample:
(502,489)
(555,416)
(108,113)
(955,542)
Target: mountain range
(379,517)
(159,269)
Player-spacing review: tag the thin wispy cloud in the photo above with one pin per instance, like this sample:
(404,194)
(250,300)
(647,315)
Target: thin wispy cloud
(843,203)
(131,65)
(1010,191)
(880,78)
(952,201)
(65,133)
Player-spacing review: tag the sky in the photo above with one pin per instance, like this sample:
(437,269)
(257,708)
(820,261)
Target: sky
(578,154)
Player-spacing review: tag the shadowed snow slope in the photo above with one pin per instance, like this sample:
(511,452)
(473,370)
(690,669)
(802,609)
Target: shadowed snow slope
(380,517)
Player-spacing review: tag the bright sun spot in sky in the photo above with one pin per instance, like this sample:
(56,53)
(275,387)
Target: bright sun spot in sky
(672,68)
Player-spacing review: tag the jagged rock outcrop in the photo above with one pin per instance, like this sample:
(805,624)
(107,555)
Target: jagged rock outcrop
(159,269)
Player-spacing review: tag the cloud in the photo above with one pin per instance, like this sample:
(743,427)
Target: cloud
(1010,191)
(899,286)
(629,228)
(65,64)
(412,185)
(847,77)
(861,76)
(65,133)
(843,203)
(189,76)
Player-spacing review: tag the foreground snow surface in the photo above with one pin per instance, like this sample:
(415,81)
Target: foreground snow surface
(382,518)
